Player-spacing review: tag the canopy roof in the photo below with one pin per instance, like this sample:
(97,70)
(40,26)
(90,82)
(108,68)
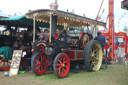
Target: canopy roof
(22,21)
(63,17)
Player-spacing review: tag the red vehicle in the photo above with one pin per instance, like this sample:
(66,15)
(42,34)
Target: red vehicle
(69,47)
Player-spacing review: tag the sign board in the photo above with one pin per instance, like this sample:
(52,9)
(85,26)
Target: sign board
(16,58)
(120,40)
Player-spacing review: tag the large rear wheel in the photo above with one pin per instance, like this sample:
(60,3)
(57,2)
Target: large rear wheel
(39,63)
(93,55)
(61,65)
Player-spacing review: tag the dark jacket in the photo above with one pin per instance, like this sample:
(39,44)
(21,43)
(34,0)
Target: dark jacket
(101,39)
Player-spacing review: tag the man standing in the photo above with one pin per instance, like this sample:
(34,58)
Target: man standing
(101,39)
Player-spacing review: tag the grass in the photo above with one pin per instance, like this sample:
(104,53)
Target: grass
(114,75)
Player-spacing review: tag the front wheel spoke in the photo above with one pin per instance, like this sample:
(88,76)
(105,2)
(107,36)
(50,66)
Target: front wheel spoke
(59,68)
(63,70)
(58,64)
(37,61)
(59,60)
(63,60)
(37,68)
(65,66)
(41,59)
(41,67)
(43,63)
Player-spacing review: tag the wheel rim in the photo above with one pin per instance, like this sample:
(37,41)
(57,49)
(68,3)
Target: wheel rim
(85,39)
(4,65)
(40,64)
(63,65)
(95,56)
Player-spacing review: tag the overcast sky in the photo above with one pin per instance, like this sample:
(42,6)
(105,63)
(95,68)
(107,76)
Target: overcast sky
(88,7)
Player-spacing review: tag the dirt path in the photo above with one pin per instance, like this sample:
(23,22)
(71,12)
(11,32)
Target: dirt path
(114,75)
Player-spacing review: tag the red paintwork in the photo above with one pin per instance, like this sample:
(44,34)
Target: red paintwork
(119,34)
(81,34)
(126,58)
(63,65)
(40,64)
(106,47)
(71,54)
(3,62)
(42,49)
(56,36)
(111,25)
(75,54)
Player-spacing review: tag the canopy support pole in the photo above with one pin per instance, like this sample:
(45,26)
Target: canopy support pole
(50,28)
(95,30)
(65,26)
(34,24)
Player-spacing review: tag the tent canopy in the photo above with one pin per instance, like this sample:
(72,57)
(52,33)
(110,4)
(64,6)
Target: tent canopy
(22,21)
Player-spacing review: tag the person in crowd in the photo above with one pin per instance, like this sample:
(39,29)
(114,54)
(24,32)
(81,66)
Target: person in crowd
(15,46)
(46,35)
(43,38)
(101,39)
(117,43)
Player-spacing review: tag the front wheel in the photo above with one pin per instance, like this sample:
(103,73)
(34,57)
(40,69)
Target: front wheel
(61,65)
(39,63)
(93,56)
